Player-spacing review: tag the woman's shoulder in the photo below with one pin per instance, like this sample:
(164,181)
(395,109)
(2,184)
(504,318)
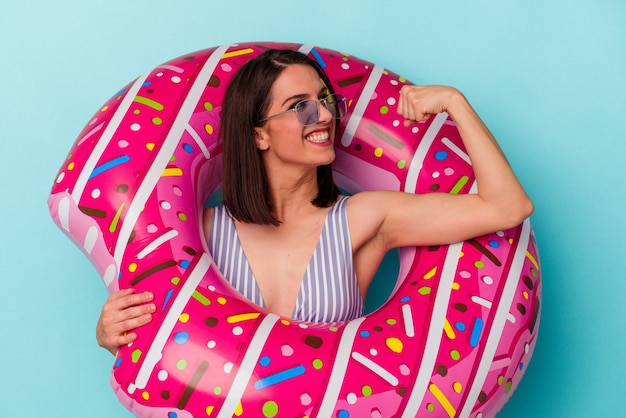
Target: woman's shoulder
(367,199)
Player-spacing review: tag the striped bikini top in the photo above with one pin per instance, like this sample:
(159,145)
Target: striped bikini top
(329,290)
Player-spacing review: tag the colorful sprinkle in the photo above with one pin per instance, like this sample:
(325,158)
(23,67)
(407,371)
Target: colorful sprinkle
(476,330)
(394,344)
(441,155)
(148,102)
(233,319)
(445,403)
(135,355)
(109,165)
(286,350)
(181,337)
(270,409)
(172,172)
(279,377)
(459,185)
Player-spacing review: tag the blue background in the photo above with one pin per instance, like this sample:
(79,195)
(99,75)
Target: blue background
(546,76)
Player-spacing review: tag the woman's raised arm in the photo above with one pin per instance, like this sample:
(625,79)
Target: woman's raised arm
(403,219)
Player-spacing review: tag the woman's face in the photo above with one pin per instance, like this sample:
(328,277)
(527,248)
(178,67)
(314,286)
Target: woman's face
(283,138)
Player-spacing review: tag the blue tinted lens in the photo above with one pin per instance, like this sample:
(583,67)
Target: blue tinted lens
(308,112)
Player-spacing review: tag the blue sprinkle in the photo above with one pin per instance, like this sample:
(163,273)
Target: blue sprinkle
(118,362)
(521,366)
(167,299)
(365,334)
(188,148)
(119,92)
(318,58)
(181,337)
(343,414)
(494,244)
(109,165)
(441,155)
(265,361)
(184,263)
(146,83)
(279,377)
(476,330)
(460,326)
(405,299)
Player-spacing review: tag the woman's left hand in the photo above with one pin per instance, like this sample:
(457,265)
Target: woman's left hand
(417,103)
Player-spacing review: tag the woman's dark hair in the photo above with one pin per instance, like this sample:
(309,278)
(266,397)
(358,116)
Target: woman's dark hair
(248,97)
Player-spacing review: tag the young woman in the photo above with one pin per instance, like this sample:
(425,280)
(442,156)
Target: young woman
(285,237)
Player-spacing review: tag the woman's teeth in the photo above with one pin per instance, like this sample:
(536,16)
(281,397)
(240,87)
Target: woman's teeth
(318,137)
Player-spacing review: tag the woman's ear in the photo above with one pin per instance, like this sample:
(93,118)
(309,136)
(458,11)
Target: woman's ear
(260,139)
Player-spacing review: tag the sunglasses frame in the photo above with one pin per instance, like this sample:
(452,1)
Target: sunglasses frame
(339,98)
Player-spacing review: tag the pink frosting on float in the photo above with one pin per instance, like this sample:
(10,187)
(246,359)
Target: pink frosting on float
(453,339)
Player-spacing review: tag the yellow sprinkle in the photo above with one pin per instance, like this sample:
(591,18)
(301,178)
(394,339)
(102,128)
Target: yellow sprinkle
(104,108)
(239,410)
(284,322)
(132,267)
(238,52)
(145,395)
(437,393)
(221,300)
(242,317)
(70,166)
(525,295)
(456,286)
(448,330)
(208,128)
(532,259)
(394,344)
(209,410)
(184,318)
(378,152)
(458,387)
(172,172)
(431,273)
(150,146)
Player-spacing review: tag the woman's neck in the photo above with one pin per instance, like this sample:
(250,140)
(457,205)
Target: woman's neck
(291,195)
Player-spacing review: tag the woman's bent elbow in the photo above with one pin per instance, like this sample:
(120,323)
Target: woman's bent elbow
(520,212)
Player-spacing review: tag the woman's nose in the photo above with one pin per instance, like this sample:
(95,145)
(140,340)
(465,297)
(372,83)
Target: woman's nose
(325,114)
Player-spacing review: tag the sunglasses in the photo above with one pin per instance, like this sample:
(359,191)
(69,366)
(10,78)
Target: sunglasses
(308,112)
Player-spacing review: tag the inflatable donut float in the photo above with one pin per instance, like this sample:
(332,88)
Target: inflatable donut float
(453,339)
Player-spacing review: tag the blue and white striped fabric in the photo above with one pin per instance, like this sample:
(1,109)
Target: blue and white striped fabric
(329,290)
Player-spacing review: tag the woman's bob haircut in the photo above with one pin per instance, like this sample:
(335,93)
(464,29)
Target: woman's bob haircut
(247,100)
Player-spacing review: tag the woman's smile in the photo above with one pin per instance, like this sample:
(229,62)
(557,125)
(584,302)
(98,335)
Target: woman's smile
(318,136)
